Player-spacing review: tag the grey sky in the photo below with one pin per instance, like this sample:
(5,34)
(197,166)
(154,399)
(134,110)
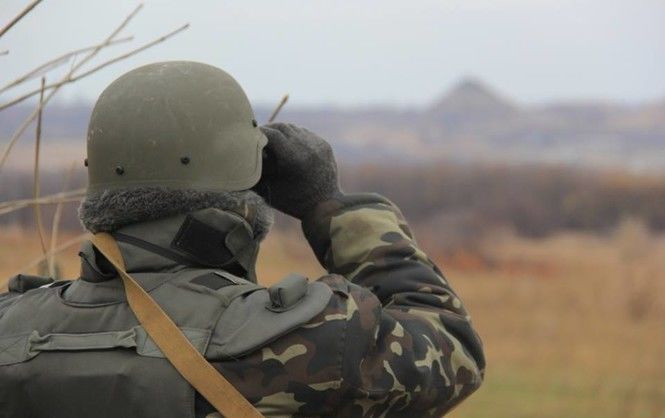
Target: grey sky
(372,51)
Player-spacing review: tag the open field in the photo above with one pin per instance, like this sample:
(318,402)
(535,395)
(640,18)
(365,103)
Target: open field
(573,323)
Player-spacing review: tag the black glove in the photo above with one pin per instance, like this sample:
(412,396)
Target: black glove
(299,170)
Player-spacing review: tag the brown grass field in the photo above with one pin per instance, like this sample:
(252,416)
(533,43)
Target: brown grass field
(572,324)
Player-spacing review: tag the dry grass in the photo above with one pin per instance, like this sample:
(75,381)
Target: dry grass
(583,339)
(19,247)
(573,324)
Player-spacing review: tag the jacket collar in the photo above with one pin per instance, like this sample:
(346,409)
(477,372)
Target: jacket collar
(205,239)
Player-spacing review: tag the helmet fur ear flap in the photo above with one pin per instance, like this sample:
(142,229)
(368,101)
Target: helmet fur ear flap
(216,238)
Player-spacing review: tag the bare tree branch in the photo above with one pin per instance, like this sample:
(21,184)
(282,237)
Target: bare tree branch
(60,248)
(55,229)
(278,108)
(130,53)
(56,62)
(19,132)
(88,57)
(68,77)
(70,196)
(35,180)
(106,42)
(19,16)
(97,68)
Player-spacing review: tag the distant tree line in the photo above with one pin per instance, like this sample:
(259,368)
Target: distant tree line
(535,201)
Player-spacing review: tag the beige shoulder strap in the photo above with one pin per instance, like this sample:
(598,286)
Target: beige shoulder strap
(176,347)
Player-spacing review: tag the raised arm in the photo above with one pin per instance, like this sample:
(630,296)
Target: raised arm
(414,349)
(409,344)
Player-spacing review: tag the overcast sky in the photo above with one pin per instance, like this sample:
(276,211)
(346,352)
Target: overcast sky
(370,51)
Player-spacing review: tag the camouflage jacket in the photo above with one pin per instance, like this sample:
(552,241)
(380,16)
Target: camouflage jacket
(392,339)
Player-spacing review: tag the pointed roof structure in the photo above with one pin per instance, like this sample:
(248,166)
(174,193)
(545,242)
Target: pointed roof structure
(472,96)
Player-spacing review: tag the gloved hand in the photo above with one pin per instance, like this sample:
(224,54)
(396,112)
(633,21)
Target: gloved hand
(299,170)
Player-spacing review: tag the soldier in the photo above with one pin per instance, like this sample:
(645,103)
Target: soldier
(185,181)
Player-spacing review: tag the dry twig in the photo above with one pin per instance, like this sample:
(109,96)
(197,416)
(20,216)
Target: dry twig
(60,248)
(130,53)
(69,75)
(278,108)
(55,229)
(19,16)
(106,42)
(97,68)
(14,205)
(35,180)
(56,62)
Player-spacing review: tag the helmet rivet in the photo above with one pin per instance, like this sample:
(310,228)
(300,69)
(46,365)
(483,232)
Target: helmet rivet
(85,162)
(119,170)
(255,123)
(184,160)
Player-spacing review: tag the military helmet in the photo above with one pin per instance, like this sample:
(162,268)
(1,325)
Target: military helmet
(179,125)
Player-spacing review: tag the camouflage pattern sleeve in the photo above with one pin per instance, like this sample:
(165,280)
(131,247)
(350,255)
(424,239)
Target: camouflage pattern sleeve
(410,347)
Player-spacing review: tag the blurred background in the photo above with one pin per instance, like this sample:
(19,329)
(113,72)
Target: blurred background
(523,139)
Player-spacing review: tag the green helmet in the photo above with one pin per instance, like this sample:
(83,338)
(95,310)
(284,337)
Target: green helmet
(179,125)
